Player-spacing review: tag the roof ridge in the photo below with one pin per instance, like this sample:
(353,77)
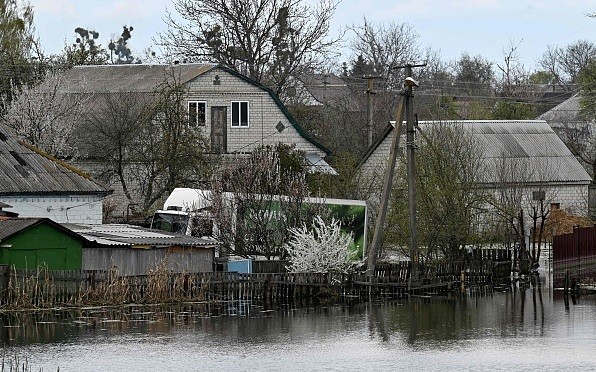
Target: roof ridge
(56,160)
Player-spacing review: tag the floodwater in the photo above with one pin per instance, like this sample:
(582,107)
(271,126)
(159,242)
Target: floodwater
(528,328)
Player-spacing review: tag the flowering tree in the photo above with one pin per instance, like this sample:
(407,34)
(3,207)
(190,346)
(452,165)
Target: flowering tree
(322,248)
(44,117)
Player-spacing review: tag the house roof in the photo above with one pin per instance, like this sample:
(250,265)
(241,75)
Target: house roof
(147,78)
(134,78)
(532,143)
(566,111)
(325,88)
(130,235)
(26,170)
(13,225)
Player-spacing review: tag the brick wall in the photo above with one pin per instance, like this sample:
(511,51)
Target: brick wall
(264,114)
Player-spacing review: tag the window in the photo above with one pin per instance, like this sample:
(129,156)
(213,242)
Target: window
(538,195)
(239,113)
(196,113)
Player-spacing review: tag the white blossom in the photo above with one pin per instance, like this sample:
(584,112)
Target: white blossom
(320,248)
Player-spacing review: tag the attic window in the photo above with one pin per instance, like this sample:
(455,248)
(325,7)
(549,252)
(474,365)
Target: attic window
(18,158)
(280,127)
(216,80)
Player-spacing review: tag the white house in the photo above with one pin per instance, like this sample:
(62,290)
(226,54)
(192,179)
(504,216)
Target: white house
(34,184)
(552,172)
(237,113)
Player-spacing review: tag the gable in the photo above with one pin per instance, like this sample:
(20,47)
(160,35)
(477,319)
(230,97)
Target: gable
(10,227)
(199,78)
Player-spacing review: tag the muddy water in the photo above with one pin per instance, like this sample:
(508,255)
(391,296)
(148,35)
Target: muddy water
(527,328)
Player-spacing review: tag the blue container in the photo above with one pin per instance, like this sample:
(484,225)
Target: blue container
(243,266)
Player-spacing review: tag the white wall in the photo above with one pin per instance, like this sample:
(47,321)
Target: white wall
(264,114)
(61,209)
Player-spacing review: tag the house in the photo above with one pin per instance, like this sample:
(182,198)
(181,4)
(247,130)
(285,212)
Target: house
(320,90)
(29,243)
(551,168)
(567,121)
(237,113)
(38,185)
(133,250)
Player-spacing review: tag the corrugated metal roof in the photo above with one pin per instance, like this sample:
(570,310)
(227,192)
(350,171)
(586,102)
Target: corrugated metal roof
(531,144)
(141,78)
(26,170)
(565,111)
(129,235)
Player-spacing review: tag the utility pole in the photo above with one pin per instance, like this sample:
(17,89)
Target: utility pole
(411,168)
(369,106)
(404,106)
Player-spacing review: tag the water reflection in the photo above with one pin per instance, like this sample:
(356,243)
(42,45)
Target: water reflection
(515,323)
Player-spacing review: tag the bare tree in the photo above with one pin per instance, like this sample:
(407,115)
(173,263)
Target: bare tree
(45,118)
(145,142)
(267,40)
(514,77)
(565,63)
(110,133)
(386,46)
(258,199)
(522,208)
(449,200)
(171,152)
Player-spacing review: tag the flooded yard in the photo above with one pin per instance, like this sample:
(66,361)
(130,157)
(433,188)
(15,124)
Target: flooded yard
(529,328)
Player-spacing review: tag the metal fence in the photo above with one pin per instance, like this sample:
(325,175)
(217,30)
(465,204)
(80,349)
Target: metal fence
(575,253)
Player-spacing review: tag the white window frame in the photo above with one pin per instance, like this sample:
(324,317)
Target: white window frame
(198,123)
(239,123)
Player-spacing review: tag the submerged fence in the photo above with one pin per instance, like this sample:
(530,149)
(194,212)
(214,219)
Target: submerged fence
(43,288)
(575,253)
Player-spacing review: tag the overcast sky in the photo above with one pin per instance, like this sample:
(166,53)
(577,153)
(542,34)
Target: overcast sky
(482,27)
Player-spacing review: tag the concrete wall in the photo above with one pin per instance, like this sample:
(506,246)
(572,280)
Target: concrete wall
(69,208)
(135,261)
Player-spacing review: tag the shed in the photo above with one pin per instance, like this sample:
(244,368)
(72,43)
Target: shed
(133,250)
(38,185)
(28,243)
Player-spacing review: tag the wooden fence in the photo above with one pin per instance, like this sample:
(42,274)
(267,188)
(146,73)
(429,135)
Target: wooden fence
(43,288)
(575,253)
